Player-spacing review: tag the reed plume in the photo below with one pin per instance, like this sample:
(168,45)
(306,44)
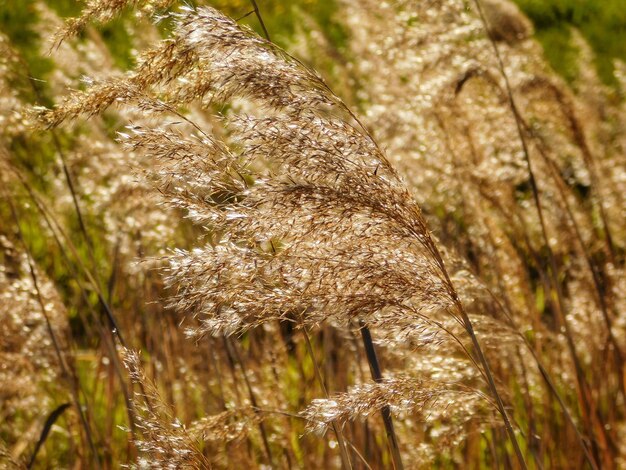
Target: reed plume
(306,216)
(166,442)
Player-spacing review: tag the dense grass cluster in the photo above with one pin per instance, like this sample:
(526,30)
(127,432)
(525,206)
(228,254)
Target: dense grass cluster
(367,235)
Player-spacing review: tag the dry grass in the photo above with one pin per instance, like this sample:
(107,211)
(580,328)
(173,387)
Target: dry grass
(427,272)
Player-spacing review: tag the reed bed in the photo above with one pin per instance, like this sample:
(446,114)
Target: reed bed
(219,257)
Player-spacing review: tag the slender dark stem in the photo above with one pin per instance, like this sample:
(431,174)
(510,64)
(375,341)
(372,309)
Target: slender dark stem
(258,15)
(595,277)
(505,310)
(377,375)
(546,376)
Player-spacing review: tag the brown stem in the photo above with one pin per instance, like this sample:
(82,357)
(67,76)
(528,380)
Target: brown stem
(65,368)
(345,459)
(231,346)
(590,411)
(81,222)
(105,334)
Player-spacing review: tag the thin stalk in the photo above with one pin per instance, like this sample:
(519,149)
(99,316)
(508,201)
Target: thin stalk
(576,128)
(590,459)
(232,346)
(588,406)
(345,459)
(532,428)
(257,12)
(68,178)
(377,375)
(492,387)
(81,222)
(580,140)
(602,302)
(505,310)
(115,330)
(65,369)
(479,352)
(105,335)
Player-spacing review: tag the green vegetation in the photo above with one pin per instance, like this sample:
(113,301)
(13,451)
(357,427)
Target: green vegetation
(18,20)
(601,23)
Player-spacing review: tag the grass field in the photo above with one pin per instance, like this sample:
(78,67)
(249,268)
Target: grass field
(312,234)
